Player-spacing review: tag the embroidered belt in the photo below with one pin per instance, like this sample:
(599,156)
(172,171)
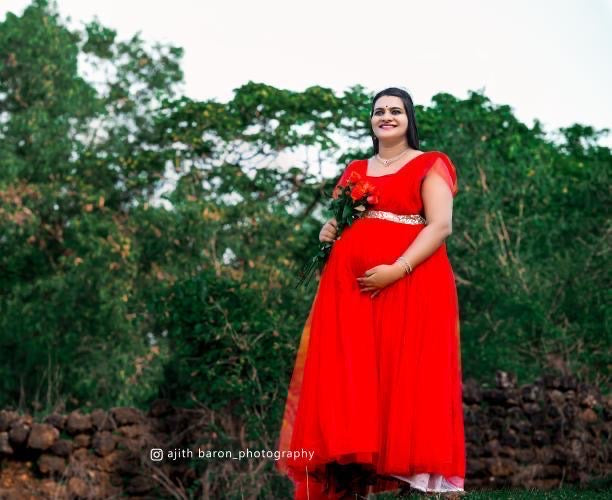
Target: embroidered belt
(403,219)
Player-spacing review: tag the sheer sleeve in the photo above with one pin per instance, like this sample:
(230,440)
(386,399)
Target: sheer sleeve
(442,166)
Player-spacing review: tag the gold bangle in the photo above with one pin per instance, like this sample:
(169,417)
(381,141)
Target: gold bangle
(405,263)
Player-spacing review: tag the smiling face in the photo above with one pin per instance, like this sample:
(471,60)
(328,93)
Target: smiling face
(389,121)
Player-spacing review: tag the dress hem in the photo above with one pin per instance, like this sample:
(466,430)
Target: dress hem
(432,482)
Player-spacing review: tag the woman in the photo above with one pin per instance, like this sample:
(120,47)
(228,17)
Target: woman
(374,402)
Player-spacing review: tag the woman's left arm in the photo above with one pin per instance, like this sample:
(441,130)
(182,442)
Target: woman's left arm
(438,207)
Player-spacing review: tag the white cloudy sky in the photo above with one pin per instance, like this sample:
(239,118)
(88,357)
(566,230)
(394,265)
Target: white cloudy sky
(547,59)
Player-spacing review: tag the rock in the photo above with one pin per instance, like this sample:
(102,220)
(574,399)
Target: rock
(18,435)
(79,455)
(139,485)
(507,451)
(51,489)
(505,380)
(544,455)
(530,392)
(501,467)
(569,411)
(497,411)
(127,416)
(473,435)
(551,381)
(77,487)
(50,464)
(103,443)
(525,474)
(42,436)
(525,455)
(541,438)
(509,438)
(5,446)
(531,408)
(58,421)
(545,484)
(102,420)
(556,397)
(471,391)
(569,382)
(476,467)
(61,448)
(494,396)
(589,400)
(497,423)
(81,441)
(522,426)
(549,471)
(132,431)
(78,423)
(589,416)
(491,449)
(160,408)
(7,417)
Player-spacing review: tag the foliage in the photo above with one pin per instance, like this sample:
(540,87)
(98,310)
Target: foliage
(112,295)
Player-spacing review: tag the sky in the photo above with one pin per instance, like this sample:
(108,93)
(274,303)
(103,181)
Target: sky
(546,59)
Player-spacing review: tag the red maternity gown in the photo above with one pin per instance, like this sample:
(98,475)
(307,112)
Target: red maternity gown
(377,381)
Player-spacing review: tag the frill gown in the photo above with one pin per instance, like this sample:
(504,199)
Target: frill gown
(377,380)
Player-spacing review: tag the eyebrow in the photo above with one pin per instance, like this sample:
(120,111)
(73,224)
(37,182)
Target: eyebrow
(393,107)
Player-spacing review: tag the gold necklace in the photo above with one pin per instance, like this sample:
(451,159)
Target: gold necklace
(386,163)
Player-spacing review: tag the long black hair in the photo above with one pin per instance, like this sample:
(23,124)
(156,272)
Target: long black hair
(412,133)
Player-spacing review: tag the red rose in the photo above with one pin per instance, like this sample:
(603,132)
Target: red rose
(372,199)
(354,177)
(357,192)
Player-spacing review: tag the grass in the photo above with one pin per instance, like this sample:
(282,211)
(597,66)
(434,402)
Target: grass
(596,489)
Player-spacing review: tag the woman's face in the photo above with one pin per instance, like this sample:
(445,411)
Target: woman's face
(389,121)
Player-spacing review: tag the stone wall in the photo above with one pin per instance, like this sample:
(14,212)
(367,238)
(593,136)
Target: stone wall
(540,435)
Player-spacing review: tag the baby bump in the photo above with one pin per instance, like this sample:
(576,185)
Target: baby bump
(371,242)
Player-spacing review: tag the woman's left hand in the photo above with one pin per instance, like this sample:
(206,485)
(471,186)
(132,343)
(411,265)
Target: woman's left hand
(379,277)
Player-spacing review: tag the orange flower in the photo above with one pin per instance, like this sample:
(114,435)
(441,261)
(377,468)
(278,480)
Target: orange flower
(357,192)
(369,188)
(354,177)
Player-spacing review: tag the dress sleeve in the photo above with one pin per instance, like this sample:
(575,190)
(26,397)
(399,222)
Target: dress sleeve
(442,166)
(345,174)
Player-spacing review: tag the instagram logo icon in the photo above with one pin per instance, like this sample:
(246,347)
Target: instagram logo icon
(157,454)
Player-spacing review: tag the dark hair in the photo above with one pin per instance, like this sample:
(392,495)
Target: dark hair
(412,133)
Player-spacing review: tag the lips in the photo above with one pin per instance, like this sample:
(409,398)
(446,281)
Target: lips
(387,126)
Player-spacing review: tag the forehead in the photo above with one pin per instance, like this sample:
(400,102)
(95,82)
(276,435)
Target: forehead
(389,101)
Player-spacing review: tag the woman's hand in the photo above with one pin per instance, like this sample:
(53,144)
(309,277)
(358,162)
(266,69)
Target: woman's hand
(379,277)
(329,231)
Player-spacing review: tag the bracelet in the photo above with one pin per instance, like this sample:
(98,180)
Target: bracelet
(404,262)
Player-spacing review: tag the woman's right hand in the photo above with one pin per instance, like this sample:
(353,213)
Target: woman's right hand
(329,231)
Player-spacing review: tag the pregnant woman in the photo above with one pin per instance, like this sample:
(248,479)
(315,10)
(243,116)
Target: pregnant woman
(374,402)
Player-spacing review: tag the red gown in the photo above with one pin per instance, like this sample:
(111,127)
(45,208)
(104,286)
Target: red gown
(377,381)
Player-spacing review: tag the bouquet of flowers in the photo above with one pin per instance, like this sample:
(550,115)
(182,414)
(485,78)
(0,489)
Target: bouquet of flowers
(349,202)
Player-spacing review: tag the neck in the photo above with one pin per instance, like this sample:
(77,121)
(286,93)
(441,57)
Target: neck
(389,150)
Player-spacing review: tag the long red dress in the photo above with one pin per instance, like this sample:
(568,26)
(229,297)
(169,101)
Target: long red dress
(377,381)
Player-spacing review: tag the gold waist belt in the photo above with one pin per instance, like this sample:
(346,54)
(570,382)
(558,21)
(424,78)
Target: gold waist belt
(403,219)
